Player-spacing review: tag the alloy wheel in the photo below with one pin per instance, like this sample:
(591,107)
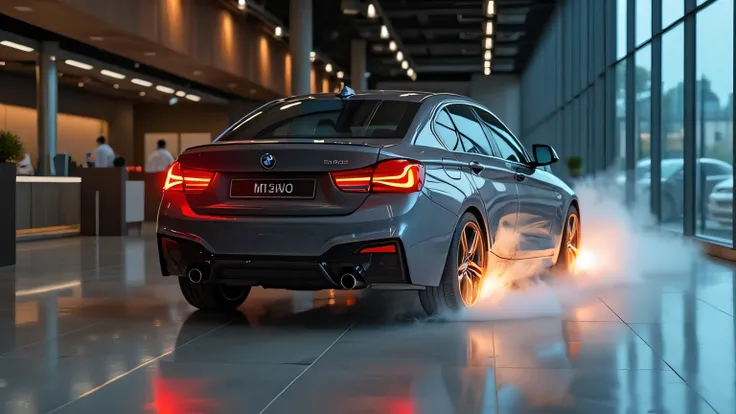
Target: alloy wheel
(573,241)
(471,258)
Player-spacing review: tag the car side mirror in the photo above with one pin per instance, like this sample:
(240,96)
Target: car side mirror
(544,155)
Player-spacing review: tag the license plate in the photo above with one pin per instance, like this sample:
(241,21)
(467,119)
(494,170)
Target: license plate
(273,188)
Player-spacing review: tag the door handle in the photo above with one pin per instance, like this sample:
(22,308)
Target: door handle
(476,167)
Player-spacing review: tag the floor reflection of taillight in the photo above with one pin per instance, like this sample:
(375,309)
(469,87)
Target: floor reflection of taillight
(180,395)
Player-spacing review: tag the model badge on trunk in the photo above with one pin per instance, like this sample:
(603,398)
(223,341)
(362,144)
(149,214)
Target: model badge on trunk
(268,161)
(336,162)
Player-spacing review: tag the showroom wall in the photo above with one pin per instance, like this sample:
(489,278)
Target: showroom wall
(643,87)
(112,115)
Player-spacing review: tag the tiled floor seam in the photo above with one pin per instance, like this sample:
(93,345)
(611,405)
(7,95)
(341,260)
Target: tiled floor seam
(143,364)
(661,358)
(306,369)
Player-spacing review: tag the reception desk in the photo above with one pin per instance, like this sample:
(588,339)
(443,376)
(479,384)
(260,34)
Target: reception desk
(46,206)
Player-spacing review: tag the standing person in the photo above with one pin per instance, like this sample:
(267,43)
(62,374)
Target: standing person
(104,155)
(160,159)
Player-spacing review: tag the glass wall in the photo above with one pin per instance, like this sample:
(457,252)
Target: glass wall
(651,97)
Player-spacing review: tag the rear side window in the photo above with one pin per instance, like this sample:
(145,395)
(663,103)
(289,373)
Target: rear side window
(510,148)
(327,118)
(445,129)
(471,133)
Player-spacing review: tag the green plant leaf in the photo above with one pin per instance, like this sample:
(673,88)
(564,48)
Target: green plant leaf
(11,148)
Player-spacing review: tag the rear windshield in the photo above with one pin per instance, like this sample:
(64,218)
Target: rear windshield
(327,118)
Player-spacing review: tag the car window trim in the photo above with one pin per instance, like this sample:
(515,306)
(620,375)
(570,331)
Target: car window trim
(524,153)
(443,105)
(454,127)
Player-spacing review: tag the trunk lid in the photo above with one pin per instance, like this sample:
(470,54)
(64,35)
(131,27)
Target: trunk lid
(276,179)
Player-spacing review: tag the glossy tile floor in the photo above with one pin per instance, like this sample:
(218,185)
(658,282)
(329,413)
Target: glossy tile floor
(93,328)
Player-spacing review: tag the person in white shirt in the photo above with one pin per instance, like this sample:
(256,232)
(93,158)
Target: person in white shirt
(104,155)
(160,159)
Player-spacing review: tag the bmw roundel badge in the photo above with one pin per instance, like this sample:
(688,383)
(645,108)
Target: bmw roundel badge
(268,161)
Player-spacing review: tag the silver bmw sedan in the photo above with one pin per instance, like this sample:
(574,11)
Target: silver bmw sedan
(380,189)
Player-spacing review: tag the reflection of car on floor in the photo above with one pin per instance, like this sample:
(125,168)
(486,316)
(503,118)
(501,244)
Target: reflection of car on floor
(392,190)
(672,171)
(720,203)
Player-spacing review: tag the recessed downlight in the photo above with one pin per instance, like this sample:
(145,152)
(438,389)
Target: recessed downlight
(405,65)
(193,98)
(384,32)
(141,82)
(17,46)
(78,64)
(340,74)
(181,94)
(278,31)
(165,89)
(112,74)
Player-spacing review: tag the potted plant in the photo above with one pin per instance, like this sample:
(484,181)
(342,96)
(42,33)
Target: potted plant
(575,166)
(11,150)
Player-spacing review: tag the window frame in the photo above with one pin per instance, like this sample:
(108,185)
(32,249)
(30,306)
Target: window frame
(526,162)
(491,147)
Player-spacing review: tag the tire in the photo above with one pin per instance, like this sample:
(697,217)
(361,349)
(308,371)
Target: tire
(213,297)
(569,244)
(448,295)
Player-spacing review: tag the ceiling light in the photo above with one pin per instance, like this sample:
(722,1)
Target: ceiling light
(79,65)
(81,84)
(392,46)
(2,63)
(193,98)
(164,89)
(414,77)
(141,93)
(488,43)
(241,4)
(328,68)
(52,58)
(487,55)
(149,54)
(112,74)
(197,72)
(181,94)
(487,64)
(340,74)
(399,56)
(487,71)
(491,8)
(371,11)
(312,56)
(489,28)
(410,72)
(96,38)
(17,46)
(384,32)
(404,65)
(278,31)
(23,9)
(116,86)
(141,82)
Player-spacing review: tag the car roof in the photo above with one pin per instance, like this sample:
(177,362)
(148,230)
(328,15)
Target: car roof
(394,95)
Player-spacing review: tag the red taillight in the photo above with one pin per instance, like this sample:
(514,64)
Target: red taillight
(389,248)
(188,181)
(392,176)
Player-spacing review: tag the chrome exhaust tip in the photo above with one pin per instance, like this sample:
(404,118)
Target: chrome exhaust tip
(348,281)
(195,275)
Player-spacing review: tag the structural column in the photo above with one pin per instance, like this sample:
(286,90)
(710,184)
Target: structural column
(47,94)
(357,65)
(300,45)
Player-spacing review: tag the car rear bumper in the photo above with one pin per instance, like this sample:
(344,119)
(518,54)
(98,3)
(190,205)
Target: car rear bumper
(720,208)
(178,256)
(283,246)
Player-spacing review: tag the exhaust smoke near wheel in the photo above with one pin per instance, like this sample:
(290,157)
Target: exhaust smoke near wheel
(621,244)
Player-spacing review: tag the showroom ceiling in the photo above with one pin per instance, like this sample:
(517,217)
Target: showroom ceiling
(440,39)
